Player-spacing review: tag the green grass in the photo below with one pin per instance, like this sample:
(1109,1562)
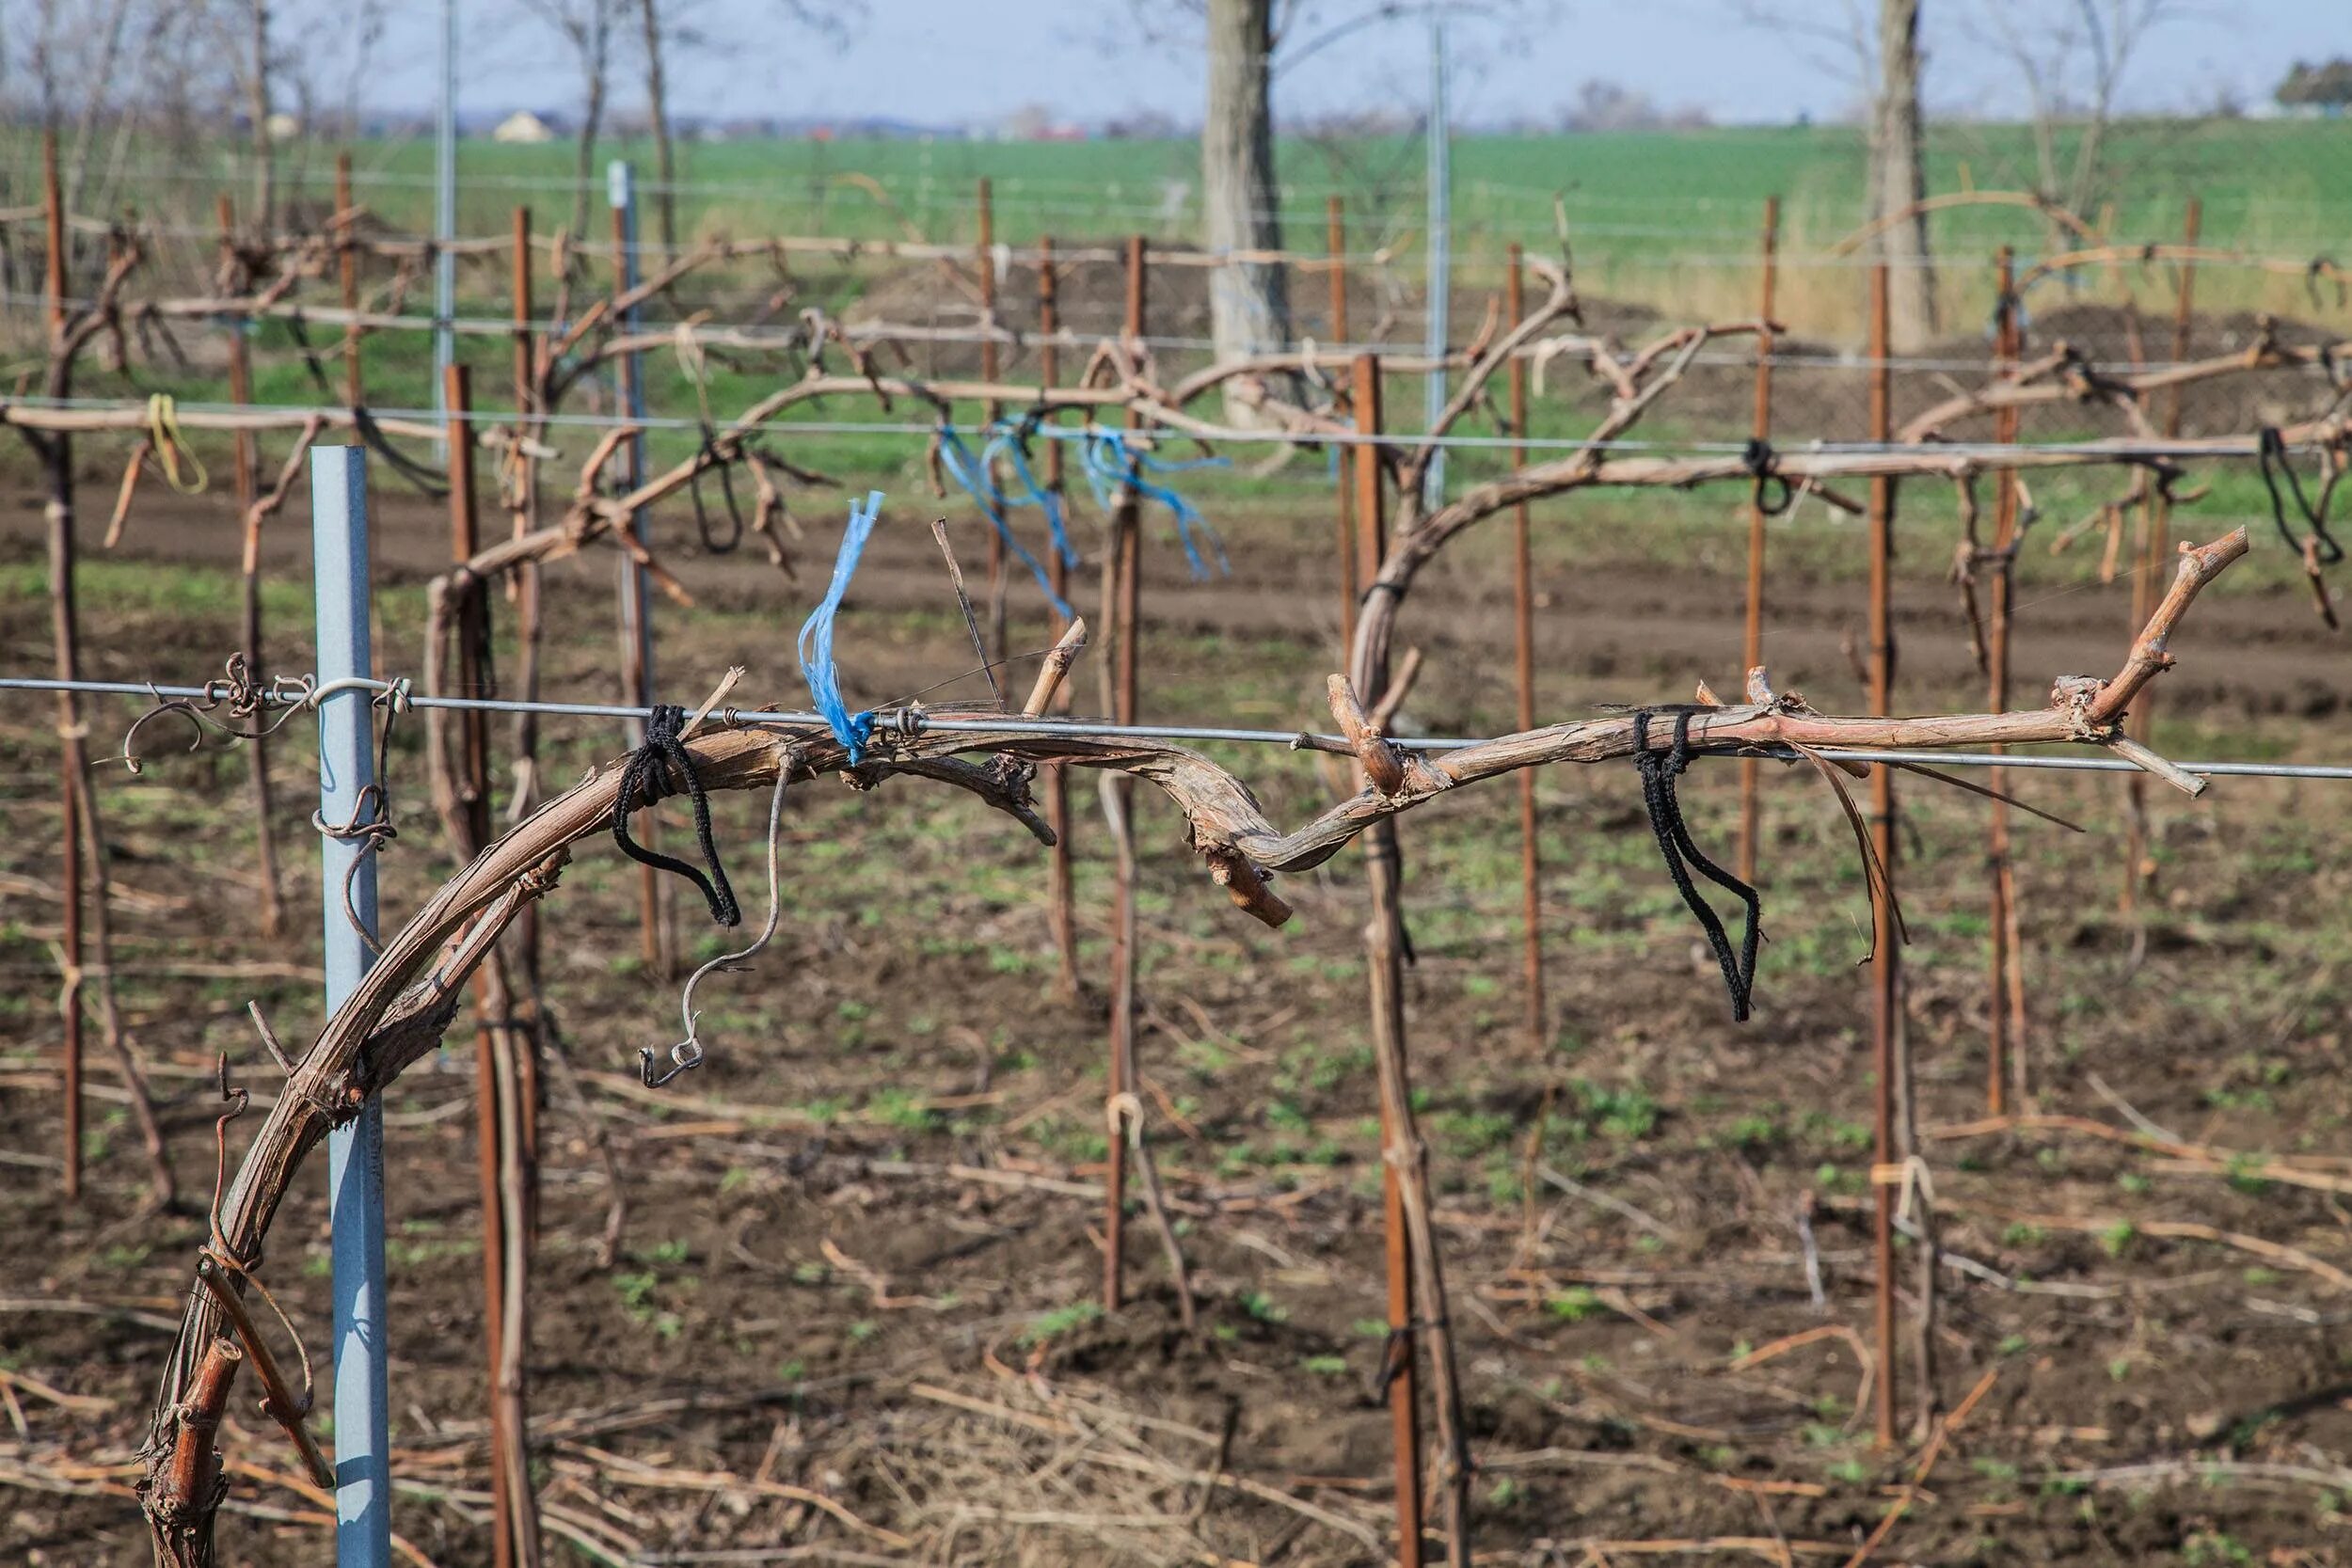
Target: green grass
(1627,192)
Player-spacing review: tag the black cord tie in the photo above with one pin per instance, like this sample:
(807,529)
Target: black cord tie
(726,488)
(408,468)
(1659,771)
(2321,266)
(2271,448)
(300,332)
(1763,465)
(645,781)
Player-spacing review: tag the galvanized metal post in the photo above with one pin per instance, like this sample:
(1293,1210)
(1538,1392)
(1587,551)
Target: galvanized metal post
(445,212)
(637,671)
(354,1152)
(1440,251)
(621,191)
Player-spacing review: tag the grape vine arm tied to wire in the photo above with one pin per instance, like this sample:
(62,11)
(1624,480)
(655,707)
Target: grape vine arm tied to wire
(404,1005)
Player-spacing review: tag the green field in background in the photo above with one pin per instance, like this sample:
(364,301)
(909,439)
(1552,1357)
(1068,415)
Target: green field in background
(2280,186)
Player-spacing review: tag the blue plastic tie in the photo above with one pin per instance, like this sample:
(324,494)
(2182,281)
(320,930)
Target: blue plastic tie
(973,474)
(1111,463)
(1009,443)
(853,730)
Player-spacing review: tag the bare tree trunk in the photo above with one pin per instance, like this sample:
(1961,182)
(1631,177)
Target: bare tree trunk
(658,112)
(1247,311)
(1899,178)
(257,106)
(85,128)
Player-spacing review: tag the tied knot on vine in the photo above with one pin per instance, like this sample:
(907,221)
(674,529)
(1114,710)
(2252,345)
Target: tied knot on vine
(370,825)
(710,457)
(1763,465)
(2270,448)
(1659,771)
(644,782)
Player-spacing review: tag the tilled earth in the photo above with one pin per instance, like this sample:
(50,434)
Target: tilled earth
(850,1311)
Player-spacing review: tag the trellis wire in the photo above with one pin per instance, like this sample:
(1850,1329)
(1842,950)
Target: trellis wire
(1293,740)
(1334,351)
(1957,452)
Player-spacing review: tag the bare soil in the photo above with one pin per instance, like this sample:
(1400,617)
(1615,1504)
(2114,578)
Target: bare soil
(856,1252)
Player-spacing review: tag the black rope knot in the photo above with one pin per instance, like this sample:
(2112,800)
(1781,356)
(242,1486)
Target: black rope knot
(716,459)
(1763,465)
(1659,771)
(644,780)
(2271,448)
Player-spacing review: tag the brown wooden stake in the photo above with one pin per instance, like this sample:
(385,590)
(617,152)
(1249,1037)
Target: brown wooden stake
(1384,945)
(522,491)
(347,273)
(82,858)
(637,642)
(355,378)
(1122,604)
(1751,646)
(985,259)
(2139,866)
(1060,911)
(53,229)
(1523,626)
(272,912)
(1886,966)
(2002,915)
(497,1083)
(1335,223)
(65,626)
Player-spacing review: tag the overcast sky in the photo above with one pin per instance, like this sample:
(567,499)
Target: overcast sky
(943,61)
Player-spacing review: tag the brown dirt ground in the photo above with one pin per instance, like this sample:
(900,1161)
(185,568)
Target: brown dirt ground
(900,1080)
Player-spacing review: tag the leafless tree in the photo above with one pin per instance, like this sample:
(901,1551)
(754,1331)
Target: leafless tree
(1873,46)
(1898,178)
(2072,55)
(256,67)
(1248,310)
(665,27)
(586,28)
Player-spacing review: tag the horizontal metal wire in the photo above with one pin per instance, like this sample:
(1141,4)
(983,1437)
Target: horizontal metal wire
(780,339)
(1291,739)
(2120,450)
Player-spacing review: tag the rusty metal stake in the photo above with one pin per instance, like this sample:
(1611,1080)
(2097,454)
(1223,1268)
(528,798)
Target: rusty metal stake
(1886,961)
(1752,646)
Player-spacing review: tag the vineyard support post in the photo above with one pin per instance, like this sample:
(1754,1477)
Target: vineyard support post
(242,488)
(636,665)
(65,613)
(1123,594)
(2140,868)
(498,1045)
(355,1151)
(1752,644)
(355,382)
(525,586)
(445,209)
(347,272)
(1523,640)
(2000,1040)
(1885,955)
(1062,912)
(1335,230)
(1384,966)
(52,232)
(1441,192)
(984,259)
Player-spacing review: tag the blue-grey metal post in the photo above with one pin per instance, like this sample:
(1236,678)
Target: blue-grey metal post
(354,1152)
(636,624)
(445,218)
(1440,247)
